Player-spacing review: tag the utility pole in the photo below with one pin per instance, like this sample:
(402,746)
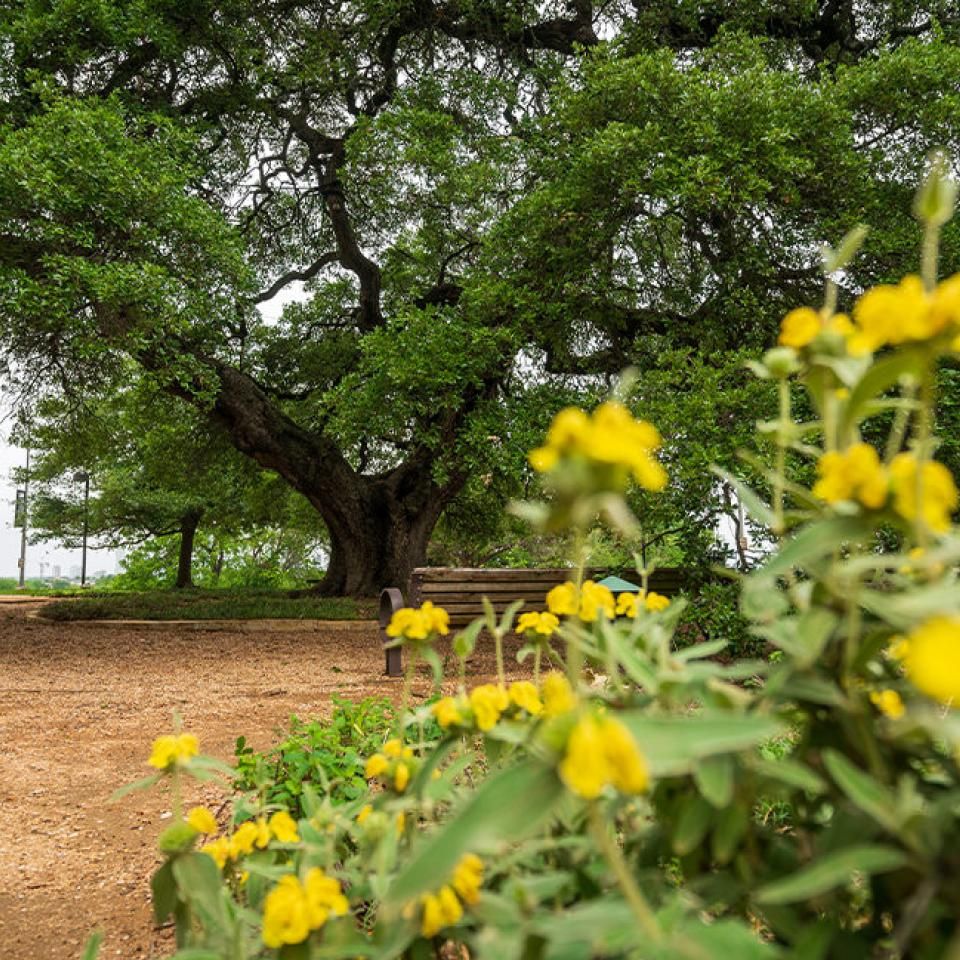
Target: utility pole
(23,528)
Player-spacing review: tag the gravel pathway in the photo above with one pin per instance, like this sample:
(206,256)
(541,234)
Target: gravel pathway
(79,707)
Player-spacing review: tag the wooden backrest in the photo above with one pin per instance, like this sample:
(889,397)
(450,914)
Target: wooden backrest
(460,590)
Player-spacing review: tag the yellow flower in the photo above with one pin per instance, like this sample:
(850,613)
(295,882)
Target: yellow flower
(558,695)
(655,602)
(219,849)
(468,878)
(840,324)
(594,600)
(364,813)
(284,827)
(898,647)
(601,753)
(627,605)
(524,694)
(437,618)
(562,600)
(443,908)
(544,459)
(440,910)
(243,839)
(431,923)
(799,328)
(628,769)
(488,702)
(937,490)
(570,427)
(401,777)
(584,767)
(452,910)
(401,821)
(855,474)
(285,914)
(945,308)
(420,623)
(408,623)
(932,658)
(202,820)
(610,437)
(376,765)
(888,702)
(323,897)
(169,750)
(545,624)
(291,909)
(447,712)
(262,838)
(888,314)
(394,748)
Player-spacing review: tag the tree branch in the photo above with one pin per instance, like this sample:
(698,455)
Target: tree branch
(291,276)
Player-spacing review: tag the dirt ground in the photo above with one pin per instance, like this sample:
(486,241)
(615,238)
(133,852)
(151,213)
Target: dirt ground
(80,705)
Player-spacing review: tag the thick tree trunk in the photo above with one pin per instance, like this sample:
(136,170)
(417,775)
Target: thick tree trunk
(378,543)
(188,532)
(379,525)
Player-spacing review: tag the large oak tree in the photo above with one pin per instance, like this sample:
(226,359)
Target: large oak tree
(468,198)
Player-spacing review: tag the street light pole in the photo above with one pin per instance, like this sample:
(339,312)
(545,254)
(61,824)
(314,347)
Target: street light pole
(81,476)
(23,529)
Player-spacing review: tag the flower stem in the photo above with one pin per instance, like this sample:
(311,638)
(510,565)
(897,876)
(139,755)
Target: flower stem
(929,255)
(574,653)
(625,879)
(779,480)
(407,686)
(899,428)
(922,445)
(177,795)
(537,656)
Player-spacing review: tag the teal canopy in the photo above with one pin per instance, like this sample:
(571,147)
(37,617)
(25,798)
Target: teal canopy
(619,585)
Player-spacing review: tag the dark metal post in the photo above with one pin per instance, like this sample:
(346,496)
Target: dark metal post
(391,600)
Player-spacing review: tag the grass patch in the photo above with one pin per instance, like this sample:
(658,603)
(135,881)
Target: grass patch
(207,605)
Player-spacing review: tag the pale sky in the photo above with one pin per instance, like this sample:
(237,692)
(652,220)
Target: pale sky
(49,554)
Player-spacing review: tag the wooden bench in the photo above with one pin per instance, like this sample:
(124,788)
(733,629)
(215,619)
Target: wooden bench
(460,591)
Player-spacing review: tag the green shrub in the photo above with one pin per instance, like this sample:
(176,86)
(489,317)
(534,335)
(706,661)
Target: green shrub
(327,754)
(713,613)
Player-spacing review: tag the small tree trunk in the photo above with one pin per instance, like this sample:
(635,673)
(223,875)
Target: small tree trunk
(188,531)
(218,564)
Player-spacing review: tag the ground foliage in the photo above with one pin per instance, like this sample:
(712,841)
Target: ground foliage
(483,203)
(801,806)
(243,604)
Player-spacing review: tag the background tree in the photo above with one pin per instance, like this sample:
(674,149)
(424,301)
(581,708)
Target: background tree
(470,196)
(158,473)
